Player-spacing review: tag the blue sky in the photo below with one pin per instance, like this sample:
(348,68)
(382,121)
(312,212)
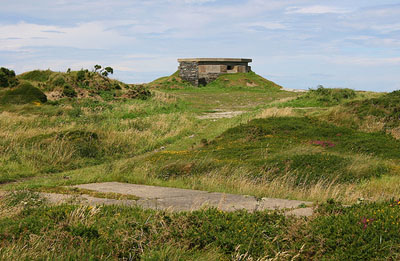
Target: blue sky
(297,43)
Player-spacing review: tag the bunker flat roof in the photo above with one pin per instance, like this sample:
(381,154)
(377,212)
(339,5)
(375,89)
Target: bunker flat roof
(242,60)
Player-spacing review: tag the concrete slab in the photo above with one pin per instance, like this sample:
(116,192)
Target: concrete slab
(176,199)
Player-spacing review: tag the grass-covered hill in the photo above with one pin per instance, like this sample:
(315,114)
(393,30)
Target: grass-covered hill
(249,81)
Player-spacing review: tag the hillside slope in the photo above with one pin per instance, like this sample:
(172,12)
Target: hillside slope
(250,81)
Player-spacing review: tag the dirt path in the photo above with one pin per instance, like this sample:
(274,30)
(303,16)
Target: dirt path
(175,199)
(220,115)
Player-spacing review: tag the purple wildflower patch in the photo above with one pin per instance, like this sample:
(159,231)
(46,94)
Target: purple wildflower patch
(323,143)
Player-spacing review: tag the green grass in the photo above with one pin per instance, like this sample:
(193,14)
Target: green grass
(307,149)
(322,97)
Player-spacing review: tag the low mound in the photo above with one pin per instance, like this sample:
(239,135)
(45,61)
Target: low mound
(232,81)
(322,97)
(302,150)
(93,84)
(386,108)
(249,80)
(24,93)
(36,75)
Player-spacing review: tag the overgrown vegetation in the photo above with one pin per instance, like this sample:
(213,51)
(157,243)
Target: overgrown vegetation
(94,84)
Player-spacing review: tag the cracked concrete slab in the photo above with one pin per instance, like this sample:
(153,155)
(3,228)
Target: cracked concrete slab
(177,199)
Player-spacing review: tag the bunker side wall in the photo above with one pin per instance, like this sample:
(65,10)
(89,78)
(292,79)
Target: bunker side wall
(189,71)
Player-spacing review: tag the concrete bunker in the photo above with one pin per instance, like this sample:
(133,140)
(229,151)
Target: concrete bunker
(201,71)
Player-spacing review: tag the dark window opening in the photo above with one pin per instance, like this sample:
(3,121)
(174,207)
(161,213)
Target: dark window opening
(230,67)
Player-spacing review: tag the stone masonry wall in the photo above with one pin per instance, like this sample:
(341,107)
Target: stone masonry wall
(189,71)
(206,78)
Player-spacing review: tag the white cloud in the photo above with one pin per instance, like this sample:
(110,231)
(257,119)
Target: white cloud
(316,9)
(265,25)
(87,35)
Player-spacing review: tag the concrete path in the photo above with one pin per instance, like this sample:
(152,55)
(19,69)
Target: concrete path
(176,199)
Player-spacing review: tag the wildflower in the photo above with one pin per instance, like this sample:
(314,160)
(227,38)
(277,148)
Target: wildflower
(365,222)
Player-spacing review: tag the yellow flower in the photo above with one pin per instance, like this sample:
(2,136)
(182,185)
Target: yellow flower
(37,103)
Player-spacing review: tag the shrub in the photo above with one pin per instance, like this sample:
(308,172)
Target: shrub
(80,76)
(24,93)
(59,81)
(69,91)
(139,92)
(7,78)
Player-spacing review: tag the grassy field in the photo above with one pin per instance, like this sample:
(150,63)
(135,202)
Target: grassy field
(326,146)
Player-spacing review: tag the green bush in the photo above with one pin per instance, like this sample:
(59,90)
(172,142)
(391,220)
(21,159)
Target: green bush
(139,92)
(24,93)
(80,76)
(59,81)
(7,78)
(69,91)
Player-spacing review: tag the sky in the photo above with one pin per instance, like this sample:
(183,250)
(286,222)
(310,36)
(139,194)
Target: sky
(296,43)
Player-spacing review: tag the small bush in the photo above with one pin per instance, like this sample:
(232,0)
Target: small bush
(7,78)
(24,93)
(80,76)
(139,92)
(59,81)
(69,91)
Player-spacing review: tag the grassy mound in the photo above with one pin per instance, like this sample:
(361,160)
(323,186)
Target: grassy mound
(386,108)
(23,94)
(36,75)
(322,97)
(303,150)
(79,84)
(249,81)
(241,81)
